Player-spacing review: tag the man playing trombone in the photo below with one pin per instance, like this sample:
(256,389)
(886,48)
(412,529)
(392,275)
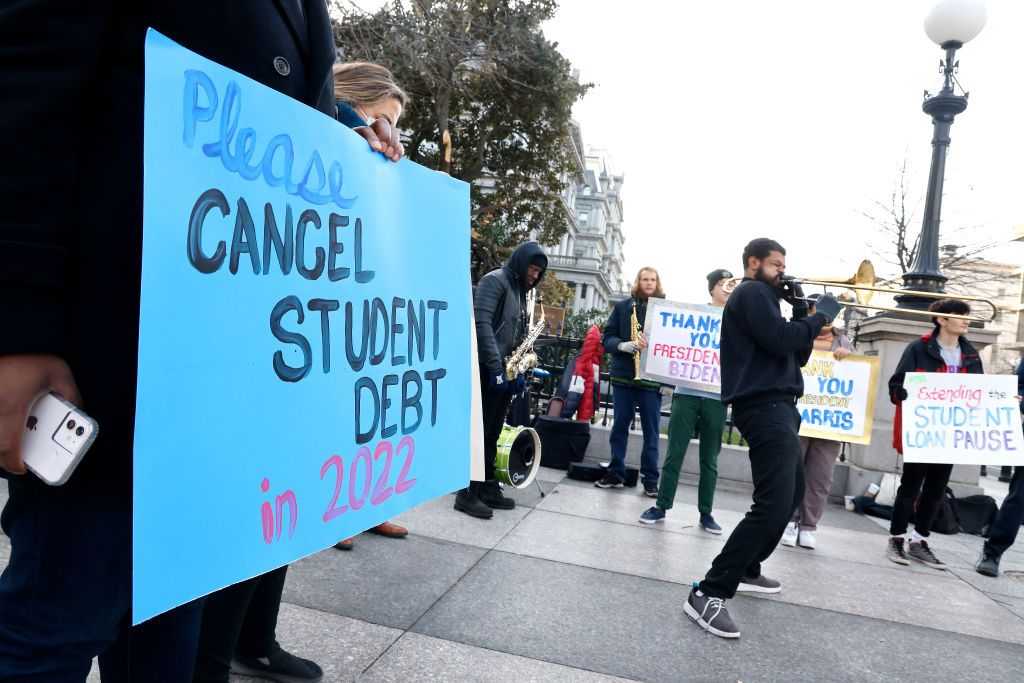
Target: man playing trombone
(762,354)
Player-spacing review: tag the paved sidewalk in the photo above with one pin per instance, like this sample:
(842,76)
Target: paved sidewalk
(572,588)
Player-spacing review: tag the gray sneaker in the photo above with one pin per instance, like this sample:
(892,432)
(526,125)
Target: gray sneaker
(895,552)
(760,584)
(923,554)
(711,615)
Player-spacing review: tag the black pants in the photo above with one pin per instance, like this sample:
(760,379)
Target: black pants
(239,619)
(776,465)
(495,406)
(1011,513)
(65,596)
(928,480)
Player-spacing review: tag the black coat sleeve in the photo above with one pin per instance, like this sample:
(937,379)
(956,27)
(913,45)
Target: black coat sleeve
(50,51)
(486,299)
(611,338)
(1020,384)
(775,334)
(906,364)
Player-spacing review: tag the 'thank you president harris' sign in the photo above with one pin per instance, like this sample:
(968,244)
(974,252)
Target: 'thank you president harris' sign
(304,351)
(839,397)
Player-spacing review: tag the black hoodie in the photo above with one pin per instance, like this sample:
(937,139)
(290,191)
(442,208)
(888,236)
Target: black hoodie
(762,352)
(499,304)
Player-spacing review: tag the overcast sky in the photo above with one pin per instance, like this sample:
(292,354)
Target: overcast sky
(739,119)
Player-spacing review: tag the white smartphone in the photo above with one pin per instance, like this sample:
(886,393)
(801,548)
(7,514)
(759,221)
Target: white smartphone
(57,435)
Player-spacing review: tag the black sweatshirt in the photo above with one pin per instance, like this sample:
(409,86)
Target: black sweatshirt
(762,353)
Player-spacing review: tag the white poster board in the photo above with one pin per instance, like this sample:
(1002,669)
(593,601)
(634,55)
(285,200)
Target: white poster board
(683,342)
(839,397)
(962,419)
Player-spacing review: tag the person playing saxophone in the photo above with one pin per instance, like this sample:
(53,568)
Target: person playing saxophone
(499,305)
(624,339)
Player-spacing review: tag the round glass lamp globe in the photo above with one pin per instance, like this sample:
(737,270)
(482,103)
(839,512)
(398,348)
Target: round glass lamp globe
(955,20)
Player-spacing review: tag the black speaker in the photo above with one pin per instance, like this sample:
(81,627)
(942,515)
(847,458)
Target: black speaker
(562,441)
(585,471)
(591,471)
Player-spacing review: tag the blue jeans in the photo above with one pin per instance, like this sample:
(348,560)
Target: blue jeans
(1007,522)
(624,401)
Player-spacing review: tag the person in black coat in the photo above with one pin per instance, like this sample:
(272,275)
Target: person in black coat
(630,393)
(71,107)
(945,349)
(499,306)
(1006,525)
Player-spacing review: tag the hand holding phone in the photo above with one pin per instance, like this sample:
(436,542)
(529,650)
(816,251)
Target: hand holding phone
(57,435)
(24,378)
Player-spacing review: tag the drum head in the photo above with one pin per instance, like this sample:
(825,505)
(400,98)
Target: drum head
(518,456)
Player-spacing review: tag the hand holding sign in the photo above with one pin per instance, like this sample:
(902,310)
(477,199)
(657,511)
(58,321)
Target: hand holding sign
(383,137)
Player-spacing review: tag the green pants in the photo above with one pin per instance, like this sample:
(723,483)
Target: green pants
(686,411)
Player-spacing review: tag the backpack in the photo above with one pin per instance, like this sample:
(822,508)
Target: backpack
(976,514)
(947,520)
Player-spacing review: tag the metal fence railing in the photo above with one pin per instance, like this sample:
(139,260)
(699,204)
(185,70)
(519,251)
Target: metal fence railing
(555,354)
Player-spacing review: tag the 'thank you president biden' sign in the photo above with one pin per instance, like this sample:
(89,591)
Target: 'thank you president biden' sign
(304,352)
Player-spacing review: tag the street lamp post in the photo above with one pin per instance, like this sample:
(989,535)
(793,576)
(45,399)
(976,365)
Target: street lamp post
(950,24)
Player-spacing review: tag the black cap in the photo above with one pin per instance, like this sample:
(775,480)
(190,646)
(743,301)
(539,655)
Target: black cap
(539,260)
(715,275)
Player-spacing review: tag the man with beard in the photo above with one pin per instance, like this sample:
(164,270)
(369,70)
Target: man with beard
(762,354)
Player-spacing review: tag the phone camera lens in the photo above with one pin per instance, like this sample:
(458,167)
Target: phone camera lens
(71,424)
(80,431)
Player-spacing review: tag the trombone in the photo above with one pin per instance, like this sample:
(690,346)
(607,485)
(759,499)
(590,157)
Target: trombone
(863,286)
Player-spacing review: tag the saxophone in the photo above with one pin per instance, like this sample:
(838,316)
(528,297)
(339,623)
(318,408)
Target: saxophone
(523,358)
(634,334)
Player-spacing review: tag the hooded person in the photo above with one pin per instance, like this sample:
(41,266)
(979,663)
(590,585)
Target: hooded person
(499,305)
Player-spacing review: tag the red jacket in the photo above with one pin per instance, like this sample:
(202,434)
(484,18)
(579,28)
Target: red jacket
(923,355)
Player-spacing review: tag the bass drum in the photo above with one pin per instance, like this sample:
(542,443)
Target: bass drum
(518,458)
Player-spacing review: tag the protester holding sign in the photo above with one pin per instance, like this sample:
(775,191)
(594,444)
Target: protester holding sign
(691,407)
(761,358)
(499,304)
(624,339)
(819,457)
(239,626)
(366,92)
(944,349)
(72,183)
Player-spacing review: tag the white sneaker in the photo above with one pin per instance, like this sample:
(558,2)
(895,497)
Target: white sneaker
(789,536)
(807,539)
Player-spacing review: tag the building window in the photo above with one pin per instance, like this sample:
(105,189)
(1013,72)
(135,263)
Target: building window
(586,190)
(584,217)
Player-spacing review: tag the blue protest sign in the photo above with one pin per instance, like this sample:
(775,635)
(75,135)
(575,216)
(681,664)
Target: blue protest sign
(304,349)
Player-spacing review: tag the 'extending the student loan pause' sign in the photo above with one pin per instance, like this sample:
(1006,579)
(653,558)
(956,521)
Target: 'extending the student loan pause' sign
(962,419)
(839,397)
(683,345)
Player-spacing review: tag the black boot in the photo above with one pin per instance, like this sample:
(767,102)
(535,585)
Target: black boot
(468,500)
(491,496)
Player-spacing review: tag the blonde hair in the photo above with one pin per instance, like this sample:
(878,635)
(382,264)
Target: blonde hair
(363,83)
(635,291)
